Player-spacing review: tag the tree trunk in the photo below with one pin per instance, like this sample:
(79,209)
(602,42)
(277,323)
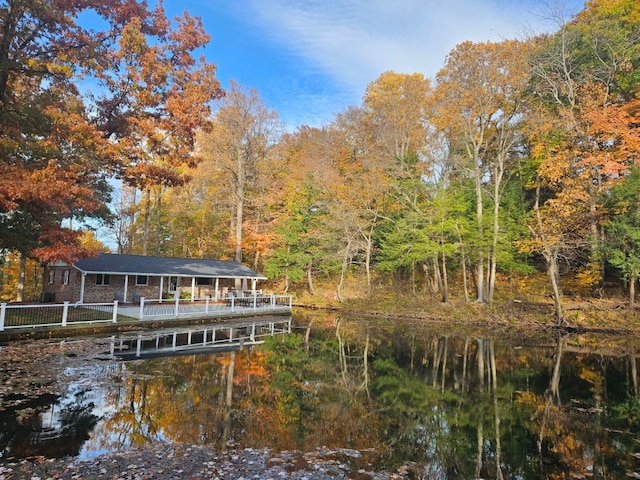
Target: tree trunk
(465,363)
(238,228)
(463,262)
(147,222)
(445,280)
(158,221)
(480,287)
(554,384)
(550,254)
(632,291)
(226,429)
(480,364)
(634,372)
(437,276)
(239,206)
(367,261)
(554,277)
(309,279)
(445,352)
(343,270)
(365,365)
(479,445)
(21,275)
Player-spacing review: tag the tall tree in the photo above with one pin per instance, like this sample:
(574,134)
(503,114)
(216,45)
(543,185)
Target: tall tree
(158,97)
(587,64)
(243,132)
(49,148)
(478,100)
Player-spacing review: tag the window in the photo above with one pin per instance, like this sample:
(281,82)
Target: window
(52,276)
(203,281)
(65,277)
(102,279)
(142,280)
(173,284)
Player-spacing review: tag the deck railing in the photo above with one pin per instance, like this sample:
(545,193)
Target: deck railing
(65,314)
(206,306)
(56,315)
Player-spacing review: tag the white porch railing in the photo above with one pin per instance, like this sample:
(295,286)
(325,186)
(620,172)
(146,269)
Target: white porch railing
(206,306)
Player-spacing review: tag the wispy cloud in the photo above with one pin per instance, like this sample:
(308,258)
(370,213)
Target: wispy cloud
(354,41)
(333,49)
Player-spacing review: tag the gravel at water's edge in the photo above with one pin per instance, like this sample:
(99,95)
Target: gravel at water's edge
(169,462)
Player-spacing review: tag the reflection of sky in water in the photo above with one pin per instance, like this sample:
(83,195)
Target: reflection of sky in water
(105,387)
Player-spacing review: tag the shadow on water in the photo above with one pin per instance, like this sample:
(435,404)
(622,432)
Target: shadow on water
(452,402)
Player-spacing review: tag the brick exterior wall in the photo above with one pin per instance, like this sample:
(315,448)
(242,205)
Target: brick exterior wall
(57,290)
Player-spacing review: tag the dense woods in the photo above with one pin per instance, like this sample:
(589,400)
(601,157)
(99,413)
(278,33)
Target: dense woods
(519,156)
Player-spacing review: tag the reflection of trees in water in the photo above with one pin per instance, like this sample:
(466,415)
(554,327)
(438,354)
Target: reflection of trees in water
(461,404)
(549,400)
(179,399)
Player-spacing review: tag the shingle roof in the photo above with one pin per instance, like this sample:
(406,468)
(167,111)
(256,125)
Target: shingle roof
(169,266)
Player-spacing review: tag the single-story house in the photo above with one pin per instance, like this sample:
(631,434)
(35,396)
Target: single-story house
(127,278)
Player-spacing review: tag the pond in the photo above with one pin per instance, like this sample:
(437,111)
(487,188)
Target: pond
(451,401)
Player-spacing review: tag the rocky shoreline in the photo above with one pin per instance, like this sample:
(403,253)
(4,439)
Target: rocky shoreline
(173,462)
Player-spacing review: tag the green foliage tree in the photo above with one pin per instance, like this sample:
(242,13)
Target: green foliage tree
(622,249)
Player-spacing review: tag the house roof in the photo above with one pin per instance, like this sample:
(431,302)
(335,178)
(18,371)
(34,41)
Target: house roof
(107,263)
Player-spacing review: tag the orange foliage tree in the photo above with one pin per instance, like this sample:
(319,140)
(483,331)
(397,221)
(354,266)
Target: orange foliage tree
(58,144)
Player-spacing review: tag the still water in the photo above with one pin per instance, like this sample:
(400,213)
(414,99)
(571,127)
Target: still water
(455,402)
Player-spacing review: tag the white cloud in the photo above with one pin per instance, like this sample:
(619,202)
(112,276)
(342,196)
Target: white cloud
(354,41)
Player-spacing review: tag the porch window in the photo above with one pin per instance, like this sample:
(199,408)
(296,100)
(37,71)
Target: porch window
(142,280)
(103,279)
(65,277)
(52,276)
(203,281)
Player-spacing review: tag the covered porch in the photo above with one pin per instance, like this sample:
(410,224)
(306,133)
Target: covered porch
(129,278)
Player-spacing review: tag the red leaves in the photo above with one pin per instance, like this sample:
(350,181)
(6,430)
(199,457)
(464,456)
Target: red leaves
(61,244)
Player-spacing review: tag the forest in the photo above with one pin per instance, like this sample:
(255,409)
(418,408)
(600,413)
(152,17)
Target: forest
(519,158)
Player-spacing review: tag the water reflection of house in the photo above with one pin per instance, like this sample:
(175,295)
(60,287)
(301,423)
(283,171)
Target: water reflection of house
(126,278)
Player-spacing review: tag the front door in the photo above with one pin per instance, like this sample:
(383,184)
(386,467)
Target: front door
(174,284)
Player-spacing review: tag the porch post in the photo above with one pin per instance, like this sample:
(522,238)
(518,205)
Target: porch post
(161,288)
(82,282)
(253,285)
(217,286)
(126,287)
(193,288)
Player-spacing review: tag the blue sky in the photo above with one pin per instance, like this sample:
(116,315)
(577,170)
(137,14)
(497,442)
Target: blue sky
(310,59)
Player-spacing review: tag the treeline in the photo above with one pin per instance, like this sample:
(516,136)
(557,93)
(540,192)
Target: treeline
(518,156)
